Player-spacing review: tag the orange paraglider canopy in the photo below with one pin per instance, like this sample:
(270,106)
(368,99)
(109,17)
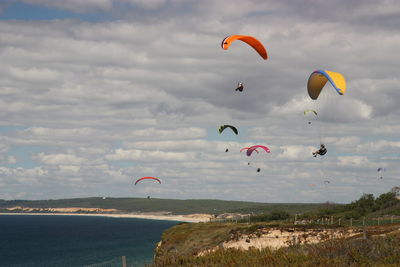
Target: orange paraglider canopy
(253,42)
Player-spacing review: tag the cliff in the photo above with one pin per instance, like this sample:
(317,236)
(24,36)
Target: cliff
(195,240)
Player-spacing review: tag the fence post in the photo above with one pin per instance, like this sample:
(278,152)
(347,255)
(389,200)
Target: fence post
(351,222)
(391,219)
(123,261)
(331,220)
(339,221)
(294,241)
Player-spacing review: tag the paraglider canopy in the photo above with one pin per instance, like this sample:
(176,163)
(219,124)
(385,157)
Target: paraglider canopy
(318,79)
(250,40)
(253,148)
(245,148)
(310,110)
(223,127)
(147,178)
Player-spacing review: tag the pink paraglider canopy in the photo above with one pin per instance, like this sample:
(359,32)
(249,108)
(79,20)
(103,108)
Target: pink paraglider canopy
(252,148)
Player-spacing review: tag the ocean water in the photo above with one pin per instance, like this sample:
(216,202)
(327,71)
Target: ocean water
(41,241)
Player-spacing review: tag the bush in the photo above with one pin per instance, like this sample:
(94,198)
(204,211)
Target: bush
(273,216)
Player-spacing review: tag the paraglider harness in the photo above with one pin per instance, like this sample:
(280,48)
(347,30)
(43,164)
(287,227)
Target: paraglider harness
(322,151)
(239,87)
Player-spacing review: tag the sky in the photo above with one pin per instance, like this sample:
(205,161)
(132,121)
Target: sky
(96,94)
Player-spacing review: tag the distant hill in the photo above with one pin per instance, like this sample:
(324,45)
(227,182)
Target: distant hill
(174,206)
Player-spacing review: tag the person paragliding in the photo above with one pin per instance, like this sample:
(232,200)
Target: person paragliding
(239,87)
(223,127)
(321,151)
(312,112)
(381,170)
(251,149)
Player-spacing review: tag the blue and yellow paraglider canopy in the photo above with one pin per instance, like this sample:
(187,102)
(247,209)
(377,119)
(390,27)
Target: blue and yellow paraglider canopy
(318,79)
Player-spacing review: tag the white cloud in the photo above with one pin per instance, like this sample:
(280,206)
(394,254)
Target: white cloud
(379,146)
(160,134)
(151,156)
(60,159)
(353,161)
(69,169)
(101,102)
(74,5)
(295,152)
(148,4)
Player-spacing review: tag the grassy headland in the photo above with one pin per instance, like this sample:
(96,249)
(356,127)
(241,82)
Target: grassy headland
(314,243)
(374,251)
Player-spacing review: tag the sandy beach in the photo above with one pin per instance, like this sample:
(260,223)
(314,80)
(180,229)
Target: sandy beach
(193,218)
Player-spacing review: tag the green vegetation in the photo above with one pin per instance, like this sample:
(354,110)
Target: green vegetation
(273,216)
(366,206)
(376,251)
(363,211)
(188,238)
(168,205)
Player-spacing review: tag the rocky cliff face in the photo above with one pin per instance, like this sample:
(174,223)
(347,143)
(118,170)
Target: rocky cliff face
(282,237)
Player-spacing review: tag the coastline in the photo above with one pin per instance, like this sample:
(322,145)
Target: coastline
(192,218)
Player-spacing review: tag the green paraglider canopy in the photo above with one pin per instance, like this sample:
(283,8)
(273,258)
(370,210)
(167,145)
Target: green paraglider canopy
(223,127)
(310,110)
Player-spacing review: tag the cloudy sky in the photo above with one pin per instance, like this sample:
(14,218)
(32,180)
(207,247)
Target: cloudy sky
(97,93)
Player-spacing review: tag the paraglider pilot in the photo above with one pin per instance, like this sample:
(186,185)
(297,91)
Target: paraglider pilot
(322,151)
(239,87)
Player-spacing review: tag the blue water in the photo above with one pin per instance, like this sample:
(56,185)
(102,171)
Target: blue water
(29,240)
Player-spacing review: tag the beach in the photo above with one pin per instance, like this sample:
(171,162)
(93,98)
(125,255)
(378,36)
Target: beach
(192,218)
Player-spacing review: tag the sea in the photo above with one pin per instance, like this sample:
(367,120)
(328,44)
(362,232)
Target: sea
(93,241)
